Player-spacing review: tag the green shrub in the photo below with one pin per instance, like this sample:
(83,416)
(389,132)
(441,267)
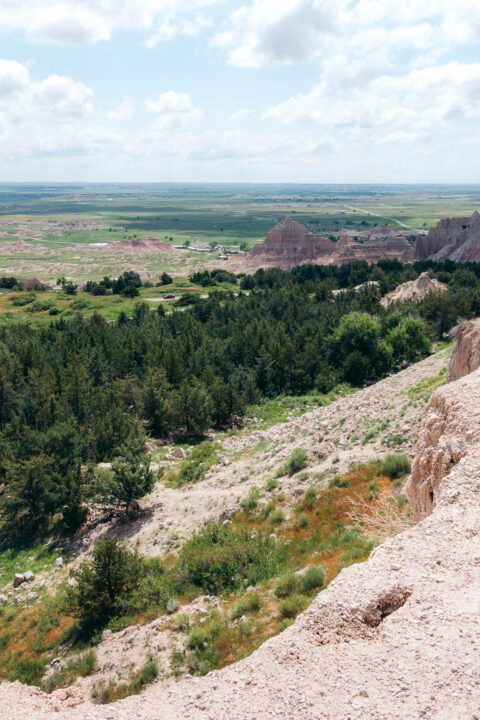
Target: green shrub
(302,522)
(102,584)
(396,465)
(296,462)
(276,517)
(291,606)
(197,639)
(148,673)
(196,464)
(271,484)
(313,578)
(373,490)
(267,509)
(286,585)
(28,672)
(40,306)
(310,497)
(172,605)
(250,502)
(219,558)
(249,604)
(24,299)
(54,310)
(79,304)
(85,663)
(181,622)
(402,500)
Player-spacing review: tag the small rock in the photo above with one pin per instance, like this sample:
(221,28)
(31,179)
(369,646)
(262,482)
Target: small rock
(32,596)
(28,576)
(55,661)
(18,579)
(179,453)
(59,562)
(3,599)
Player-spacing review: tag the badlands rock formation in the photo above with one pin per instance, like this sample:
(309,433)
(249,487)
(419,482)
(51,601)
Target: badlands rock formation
(466,354)
(290,244)
(456,239)
(414,290)
(394,638)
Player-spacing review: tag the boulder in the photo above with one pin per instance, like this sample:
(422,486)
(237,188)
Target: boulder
(28,576)
(18,579)
(179,453)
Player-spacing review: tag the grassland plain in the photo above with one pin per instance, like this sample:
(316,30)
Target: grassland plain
(72,229)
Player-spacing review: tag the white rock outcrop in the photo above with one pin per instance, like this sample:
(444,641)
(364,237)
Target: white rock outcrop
(466,354)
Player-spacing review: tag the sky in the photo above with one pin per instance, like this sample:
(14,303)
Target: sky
(327,91)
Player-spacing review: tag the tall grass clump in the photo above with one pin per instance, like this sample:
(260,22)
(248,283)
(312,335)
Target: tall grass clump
(395,466)
(196,464)
(296,462)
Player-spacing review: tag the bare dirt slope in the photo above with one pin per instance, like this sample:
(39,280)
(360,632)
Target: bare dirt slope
(356,428)
(396,637)
(360,427)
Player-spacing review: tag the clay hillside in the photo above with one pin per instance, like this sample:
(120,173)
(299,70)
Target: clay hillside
(290,243)
(394,638)
(414,290)
(456,239)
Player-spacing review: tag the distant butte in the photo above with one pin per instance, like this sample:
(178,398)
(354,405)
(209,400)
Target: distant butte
(290,244)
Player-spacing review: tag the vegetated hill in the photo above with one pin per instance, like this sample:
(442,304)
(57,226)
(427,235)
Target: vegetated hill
(290,244)
(395,637)
(456,239)
(414,290)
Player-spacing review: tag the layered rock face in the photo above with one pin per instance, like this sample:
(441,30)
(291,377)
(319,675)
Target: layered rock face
(394,638)
(466,354)
(414,290)
(290,244)
(456,239)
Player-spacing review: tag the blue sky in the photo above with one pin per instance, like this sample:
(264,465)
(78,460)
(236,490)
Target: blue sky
(261,90)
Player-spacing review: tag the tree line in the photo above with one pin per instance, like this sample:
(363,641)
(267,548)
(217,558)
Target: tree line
(79,392)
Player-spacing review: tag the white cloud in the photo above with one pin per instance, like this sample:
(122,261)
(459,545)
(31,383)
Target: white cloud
(170,25)
(62,96)
(420,103)
(14,78)
(70,22)
(173,109)
(239,115)
(270,32)
(123,111)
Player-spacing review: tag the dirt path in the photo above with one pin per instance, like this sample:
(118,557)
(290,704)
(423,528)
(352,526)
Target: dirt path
(384,217)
